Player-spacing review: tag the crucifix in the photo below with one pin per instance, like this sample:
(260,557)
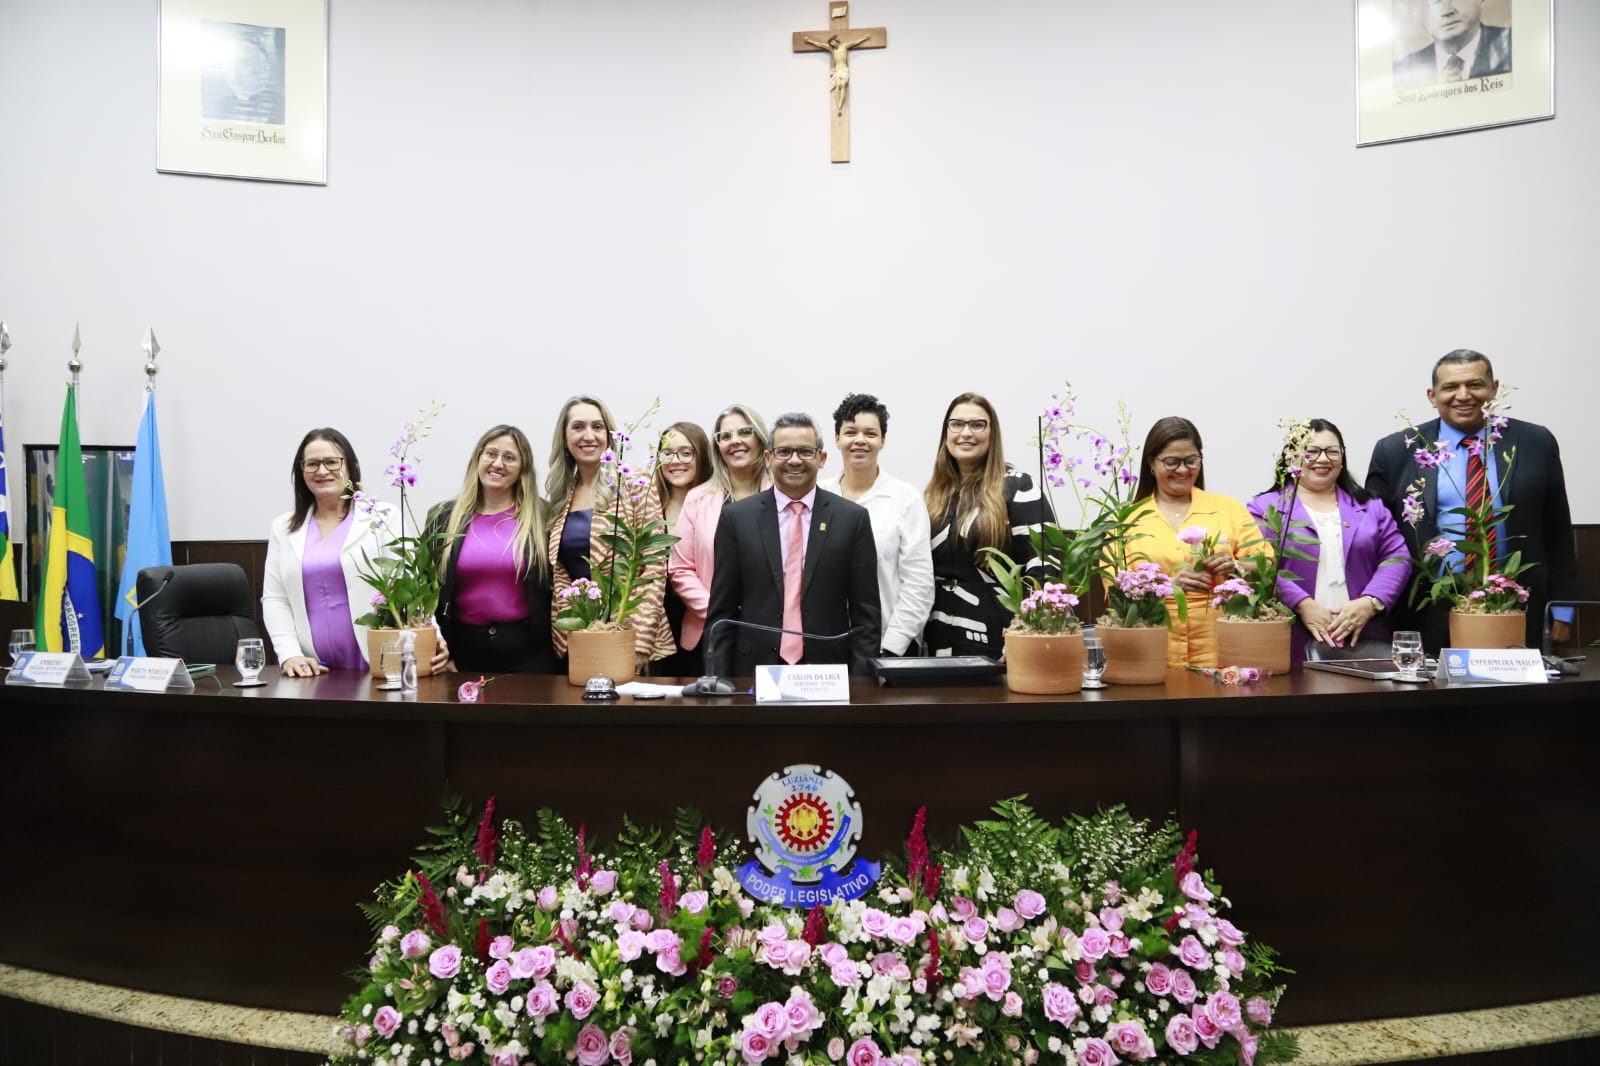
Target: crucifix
(838,40)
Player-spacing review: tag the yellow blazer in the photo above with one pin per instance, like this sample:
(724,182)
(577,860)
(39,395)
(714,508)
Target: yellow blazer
(1195,642)
(649,623)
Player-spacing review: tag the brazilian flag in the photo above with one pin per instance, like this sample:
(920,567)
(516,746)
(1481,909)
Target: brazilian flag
(69,601)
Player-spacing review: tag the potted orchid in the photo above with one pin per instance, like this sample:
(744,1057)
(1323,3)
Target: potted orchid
(1462,568)
(406,578)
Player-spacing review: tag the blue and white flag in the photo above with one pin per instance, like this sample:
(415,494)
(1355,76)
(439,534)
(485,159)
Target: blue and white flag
(149,543)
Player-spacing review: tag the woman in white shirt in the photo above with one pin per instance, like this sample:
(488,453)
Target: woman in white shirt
(899,520)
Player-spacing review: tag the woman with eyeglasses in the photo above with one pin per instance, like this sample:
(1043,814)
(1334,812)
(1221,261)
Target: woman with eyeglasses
(494,599)
(683,463)
(974,501)
(312,594)
(1359,563)
(738,469)
(1173,479)
(583,503)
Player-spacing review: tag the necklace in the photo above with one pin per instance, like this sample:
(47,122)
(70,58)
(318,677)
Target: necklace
(502,519)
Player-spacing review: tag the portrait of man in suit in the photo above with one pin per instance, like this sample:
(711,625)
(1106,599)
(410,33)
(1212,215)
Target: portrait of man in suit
(1539,524)
(1463,47)
(794,557)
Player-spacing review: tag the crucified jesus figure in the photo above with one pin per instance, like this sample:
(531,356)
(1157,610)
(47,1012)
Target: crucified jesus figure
(839,69)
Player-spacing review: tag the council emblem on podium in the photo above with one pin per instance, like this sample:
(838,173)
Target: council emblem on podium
(805,824)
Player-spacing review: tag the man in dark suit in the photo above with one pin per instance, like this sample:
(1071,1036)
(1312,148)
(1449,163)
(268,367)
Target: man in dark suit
(1540,522)
(794,557)
(1463,47)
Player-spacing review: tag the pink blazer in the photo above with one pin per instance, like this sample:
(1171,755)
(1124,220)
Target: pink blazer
(690,565)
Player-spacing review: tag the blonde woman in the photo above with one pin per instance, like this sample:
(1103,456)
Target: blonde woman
(738,470)
(583,505)
(494,603)
(975,501)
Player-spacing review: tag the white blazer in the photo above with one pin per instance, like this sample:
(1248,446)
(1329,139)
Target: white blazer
(283,595)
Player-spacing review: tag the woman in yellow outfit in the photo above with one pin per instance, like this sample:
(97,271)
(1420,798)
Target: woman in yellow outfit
(1173,478)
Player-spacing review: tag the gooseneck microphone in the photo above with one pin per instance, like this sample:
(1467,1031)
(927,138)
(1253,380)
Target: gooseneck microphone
(714,685)
(133,614)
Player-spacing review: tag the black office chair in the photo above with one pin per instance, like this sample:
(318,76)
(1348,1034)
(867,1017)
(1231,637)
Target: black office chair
(200,615)
(1317,652)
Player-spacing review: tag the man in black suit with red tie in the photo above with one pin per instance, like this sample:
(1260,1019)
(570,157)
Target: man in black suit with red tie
(793,557)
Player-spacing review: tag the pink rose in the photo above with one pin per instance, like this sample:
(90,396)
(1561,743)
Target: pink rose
(671,963)
(1084,971)
(1259,1011)
(1029,903)
(876,925)
(642,921)
(620,911)
(884,962)
(995,982)
(1205,1027)
(1229,933)
(542,1000)
(1233,960)
(796,957)
(863,1052)
(498,977)
(388,934)
(1008,920)
(1159,980)
(776,934)
(603,883)
(962,908)
(549,898)
(445,962)
(630,945)
(803,1014)
(1247,1049)
(777,954)
(581,1000)
(661,940)
(501,947)
(833,954)
(1110,919)
(975,929)
(1130,1039)
(1094,943)
(386,1021)
(469,692)
(1059,1005)
(1223,1007)
(1096,1052)
(836,1049)
(504,1057)
(1194,886)
(622,1046)
(845,974)
(904,930)
(1103,996)
(593,1047)
(1118,945)
(754,1045)
(1181,1035)
(727,986)
(415,944)
(770,1020)
(1183,989)
(695,902)
(536,962)
(1192,535)
(1193,954)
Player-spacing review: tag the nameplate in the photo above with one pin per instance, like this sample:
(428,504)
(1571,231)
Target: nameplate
(48,668)
(803,684)
(142,674)
(1492,666)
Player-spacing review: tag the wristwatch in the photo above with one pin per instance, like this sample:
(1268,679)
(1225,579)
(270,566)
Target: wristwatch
(1377,604)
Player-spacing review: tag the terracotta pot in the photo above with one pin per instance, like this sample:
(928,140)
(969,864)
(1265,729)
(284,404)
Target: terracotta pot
(1251,642)
(427,643)
(1134,656)
(600,653)
(1044,665)
(1488,630)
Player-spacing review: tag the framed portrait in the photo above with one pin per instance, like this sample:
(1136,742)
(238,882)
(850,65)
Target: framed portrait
(1428,67)
(242,89)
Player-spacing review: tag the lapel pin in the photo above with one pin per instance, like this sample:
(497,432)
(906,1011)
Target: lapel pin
(822,527)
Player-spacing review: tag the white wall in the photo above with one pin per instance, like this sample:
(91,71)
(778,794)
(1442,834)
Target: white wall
(526,199)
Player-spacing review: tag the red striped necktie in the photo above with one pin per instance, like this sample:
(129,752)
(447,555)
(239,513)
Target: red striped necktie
(1477,494)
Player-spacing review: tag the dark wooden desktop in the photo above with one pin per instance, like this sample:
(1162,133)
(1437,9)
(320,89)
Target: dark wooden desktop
(1408,850)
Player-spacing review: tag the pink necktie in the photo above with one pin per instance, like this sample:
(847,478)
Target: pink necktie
(791,647)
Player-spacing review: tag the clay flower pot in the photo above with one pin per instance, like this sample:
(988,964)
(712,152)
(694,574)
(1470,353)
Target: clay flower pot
(1134,656)
(1488,630)
(1253,642)
(427,643)
(1044,664)
(600,653)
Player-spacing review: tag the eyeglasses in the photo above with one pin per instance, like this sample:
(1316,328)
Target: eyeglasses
(1331,454)
(1178,462)
(334,464)
(784,453)
(977,425)
(723,436)
(495,455)
(681,455)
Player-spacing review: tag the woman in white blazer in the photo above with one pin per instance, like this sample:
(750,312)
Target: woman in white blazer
(312,594)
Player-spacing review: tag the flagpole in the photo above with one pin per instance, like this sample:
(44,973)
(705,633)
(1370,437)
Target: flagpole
(151,350)
(75,365)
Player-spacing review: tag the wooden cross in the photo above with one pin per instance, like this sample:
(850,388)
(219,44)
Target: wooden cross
(839,40)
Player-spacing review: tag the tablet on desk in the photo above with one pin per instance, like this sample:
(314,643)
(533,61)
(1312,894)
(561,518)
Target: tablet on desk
(1371,669)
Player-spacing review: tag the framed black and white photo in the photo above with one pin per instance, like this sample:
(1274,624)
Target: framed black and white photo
(1428,67)
(242,89)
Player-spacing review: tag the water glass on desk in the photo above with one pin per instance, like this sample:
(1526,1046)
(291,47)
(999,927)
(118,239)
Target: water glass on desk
(251,658)
(1408,655)
(389,664)
(21,644)
(1094,661)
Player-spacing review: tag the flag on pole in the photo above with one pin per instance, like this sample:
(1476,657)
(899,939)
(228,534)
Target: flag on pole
(149,543)
(8,558)
(69,604)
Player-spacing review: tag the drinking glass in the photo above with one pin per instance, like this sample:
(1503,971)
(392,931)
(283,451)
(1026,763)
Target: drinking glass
(21,644)
(389,663)
(251,658)
(1408,656)
(1094,661)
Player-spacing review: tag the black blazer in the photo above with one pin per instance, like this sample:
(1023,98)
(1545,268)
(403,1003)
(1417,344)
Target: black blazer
(1421,67)
(535,587)
(1539,525)
(839,590)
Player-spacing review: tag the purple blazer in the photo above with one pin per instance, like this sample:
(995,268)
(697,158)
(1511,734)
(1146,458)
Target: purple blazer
(1370,537)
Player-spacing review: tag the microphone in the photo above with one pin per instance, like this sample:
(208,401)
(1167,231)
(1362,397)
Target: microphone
(714,685)
(133,614)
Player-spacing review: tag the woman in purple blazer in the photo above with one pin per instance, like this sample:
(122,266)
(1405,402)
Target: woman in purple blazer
(1342,595)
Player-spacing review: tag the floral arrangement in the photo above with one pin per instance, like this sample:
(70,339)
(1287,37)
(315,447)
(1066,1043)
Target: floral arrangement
(1465,572)
(406,577)
(635,535)
(1137,597)
(1092,942)
(1252,594)
(1046,611)
(1232,675)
